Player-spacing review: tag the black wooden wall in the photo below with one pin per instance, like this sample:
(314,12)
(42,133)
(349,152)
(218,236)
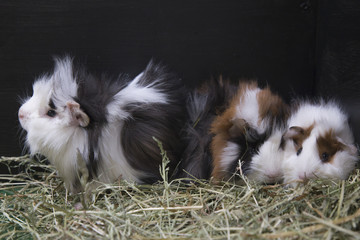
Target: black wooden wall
(338,56)
(295,46)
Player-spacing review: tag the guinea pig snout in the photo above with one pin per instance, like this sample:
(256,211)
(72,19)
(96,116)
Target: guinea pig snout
(273,177)
(303,176)
(23,117)
(22,114)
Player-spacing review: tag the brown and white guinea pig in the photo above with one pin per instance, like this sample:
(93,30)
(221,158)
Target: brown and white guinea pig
(111,121)
(203,105)
(249,132)
(318,143)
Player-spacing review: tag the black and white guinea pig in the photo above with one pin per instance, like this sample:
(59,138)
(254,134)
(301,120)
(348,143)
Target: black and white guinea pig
(111,121)
(203,105)
(318,143)
(243,133)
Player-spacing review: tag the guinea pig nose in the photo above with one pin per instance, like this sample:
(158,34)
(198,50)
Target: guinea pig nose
(272,175)
(21,114)
(302,176)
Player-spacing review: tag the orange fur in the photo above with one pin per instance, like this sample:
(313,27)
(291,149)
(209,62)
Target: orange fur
(225,126)
(271,104)
(329,144)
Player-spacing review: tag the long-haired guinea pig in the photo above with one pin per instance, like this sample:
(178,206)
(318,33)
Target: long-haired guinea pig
(318,143)
(110,121)
(249,132)
(203,105)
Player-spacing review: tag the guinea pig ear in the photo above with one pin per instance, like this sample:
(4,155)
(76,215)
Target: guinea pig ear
(293,133)
(78,115)
(238,127)
(350,147)
(353,149)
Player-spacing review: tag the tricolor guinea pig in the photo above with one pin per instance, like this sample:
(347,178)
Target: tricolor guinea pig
(110,121)
(248,133)
(318,143)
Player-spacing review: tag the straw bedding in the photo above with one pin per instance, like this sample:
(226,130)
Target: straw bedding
(35,205)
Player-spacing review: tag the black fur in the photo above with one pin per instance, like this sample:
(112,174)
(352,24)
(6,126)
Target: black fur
(249,146)
(94,94)
(52,105)
(163,121)
(202,106)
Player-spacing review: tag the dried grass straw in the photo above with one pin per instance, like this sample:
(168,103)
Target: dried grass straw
(35,205)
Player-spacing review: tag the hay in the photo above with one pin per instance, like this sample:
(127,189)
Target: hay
(35,205)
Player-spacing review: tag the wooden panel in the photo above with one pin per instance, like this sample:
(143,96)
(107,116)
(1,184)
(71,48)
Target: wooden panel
(272,41)
(338,56)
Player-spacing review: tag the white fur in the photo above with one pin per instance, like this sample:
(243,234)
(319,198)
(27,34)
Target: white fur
(230,152)
(266,164)
(63,81)
(248,109)
(134,93)
(114,163)
(198,104)
(56,138)
(326,115)
(59,137)
(307,165)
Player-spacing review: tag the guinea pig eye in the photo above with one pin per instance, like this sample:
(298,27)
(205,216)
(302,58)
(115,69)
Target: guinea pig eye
(299,151)
(51,113)
(325,157)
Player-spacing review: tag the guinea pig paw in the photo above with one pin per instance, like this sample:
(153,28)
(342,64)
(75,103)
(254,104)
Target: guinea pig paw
(295,183)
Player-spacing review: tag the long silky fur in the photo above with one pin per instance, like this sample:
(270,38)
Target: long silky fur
(203,105)
(243,128)
(248,145)
(326,119)
(143,122)
(125,114)
(163,121)
(94,94)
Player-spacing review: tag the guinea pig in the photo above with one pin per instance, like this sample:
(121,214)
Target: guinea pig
(203,105)
(243,134)
(110,121)
(318,143)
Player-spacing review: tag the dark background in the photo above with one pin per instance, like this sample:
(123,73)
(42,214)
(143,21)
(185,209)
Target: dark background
(301,48)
